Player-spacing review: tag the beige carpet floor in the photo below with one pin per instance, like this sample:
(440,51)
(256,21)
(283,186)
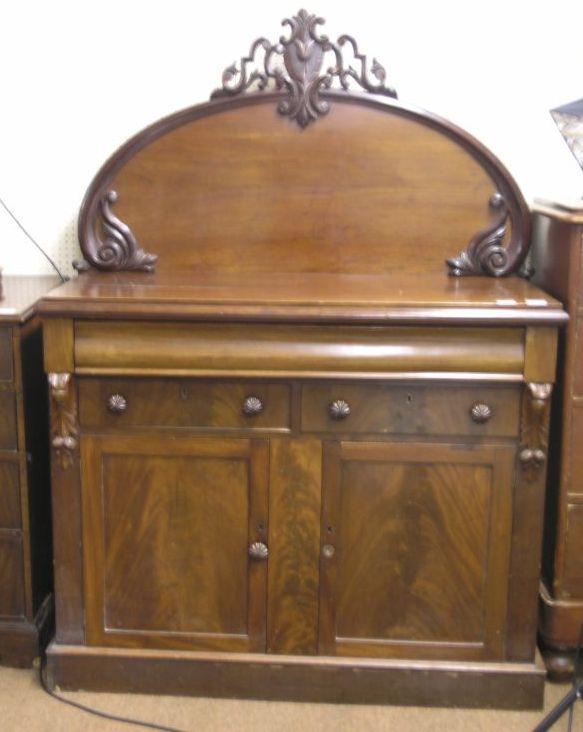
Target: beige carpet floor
(24,707)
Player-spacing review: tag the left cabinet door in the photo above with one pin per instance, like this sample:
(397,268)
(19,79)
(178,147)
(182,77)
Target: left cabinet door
(168,524)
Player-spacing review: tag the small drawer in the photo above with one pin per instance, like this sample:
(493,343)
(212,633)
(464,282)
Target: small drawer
(11,574)
(5,354)
(8,435)
(411,409)
(9,495)
(121,403)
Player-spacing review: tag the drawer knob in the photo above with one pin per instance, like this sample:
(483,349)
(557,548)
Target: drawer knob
(117,404)
(339,409)
(258,551)
(480,412)
(252,405)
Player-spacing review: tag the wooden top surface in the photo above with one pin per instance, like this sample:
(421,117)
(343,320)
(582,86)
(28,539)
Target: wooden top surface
(20,293)
(320,297)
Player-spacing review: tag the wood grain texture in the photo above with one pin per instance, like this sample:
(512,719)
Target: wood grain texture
(8,421)
(172,403)
(411,409)
(58,350)
(368,165)
(167,526)
(294,541)
(12,602)
(407,521)
(299,678)
(6,368)
(540,357)
(9,494)
(225,348)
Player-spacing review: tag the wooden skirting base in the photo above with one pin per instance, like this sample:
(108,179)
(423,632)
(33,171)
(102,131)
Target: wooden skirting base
(22,641)
(297,678)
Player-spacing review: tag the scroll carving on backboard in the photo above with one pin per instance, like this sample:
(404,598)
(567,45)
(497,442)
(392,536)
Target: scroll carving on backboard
(303,76)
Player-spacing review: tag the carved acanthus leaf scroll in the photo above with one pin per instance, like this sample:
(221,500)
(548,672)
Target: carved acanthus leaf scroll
(486,253)
(64,430)
(535,428)
(302,75)
(116,248)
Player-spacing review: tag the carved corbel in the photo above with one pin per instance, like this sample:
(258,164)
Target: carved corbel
(64,429)
(535,428)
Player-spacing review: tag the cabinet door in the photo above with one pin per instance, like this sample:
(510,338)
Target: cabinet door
(415,550)
(168,522)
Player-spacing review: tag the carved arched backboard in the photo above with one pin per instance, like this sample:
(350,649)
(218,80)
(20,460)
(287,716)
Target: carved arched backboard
(302,178)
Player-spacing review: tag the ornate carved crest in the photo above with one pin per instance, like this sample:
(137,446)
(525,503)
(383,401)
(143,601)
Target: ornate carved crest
(535,428)
(118,248)
(64,431)
(485,254)
(303,76)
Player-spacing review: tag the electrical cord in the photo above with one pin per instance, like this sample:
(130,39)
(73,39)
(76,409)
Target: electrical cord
(96,712)
(37,245)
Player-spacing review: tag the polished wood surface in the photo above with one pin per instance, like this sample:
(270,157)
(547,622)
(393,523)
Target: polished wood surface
(364,165)
(25,540)
(400,524)
(311,296)
(223,349)
(298,460)
(167,526)
(410,409)
(295,468)
(168,403)
(557,257)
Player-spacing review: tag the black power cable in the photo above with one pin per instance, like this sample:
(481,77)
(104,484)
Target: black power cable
(31,238)
(96,712)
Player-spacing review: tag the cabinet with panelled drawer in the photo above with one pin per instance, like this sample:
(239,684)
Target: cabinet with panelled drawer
(25,547)
(292,458)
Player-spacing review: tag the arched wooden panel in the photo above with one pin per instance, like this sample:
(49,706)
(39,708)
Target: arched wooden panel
(372,187)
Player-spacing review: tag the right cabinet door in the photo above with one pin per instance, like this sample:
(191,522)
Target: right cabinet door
(415,549)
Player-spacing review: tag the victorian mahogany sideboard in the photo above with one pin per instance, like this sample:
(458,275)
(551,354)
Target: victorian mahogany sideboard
(556,257)
(299,402)
(25,523)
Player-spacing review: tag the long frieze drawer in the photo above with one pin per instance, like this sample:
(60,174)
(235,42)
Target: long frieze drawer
(410,409)
(9,495)
(5,354)
(8,439)
(11,574)
(148,402)
(259,349)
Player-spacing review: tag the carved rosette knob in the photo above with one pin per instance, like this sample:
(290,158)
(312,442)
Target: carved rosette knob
(481,412)
(339,409)
(258,551)
(532,458)
(252,406)
(117,404)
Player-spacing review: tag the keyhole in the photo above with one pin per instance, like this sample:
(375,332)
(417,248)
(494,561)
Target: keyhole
(409,398)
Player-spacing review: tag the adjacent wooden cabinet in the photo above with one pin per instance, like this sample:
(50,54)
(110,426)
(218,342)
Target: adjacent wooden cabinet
(300,405)
(25,522)
(557,260)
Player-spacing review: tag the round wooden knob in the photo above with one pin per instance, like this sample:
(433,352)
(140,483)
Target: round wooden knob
(252,405)
(117,404)
(481,412)
(258,551)
(339,409)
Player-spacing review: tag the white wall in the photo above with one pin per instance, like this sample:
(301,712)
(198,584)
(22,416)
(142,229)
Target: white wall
(78,78)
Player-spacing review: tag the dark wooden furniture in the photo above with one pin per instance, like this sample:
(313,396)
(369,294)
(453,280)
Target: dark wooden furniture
(25,543)
(292,457)
(557,255)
